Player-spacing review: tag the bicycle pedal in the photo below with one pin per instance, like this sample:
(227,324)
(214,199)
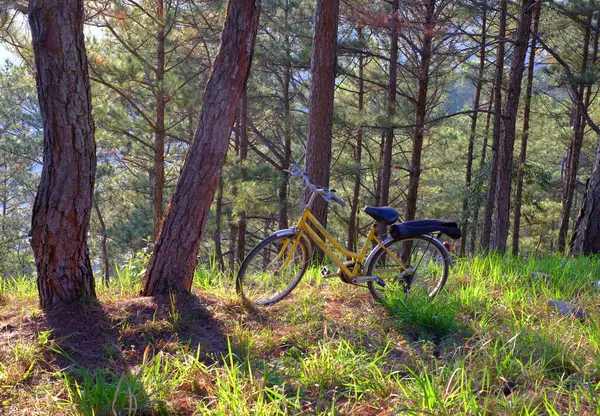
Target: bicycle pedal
(324,271)
(379,281)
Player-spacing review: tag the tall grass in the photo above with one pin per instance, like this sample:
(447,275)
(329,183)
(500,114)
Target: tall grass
(488,344)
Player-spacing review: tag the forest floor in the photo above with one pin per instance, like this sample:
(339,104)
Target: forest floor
(491,343)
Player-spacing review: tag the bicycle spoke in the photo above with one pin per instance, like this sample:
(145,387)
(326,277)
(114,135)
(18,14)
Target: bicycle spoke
(272,270)
(425,259)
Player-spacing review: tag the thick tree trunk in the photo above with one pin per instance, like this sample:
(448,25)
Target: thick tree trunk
(243,155)
(352,221)
(525,136)
(421,113)
(63,204)
(386,167)
(490,199)
(318,145)
(103,245)
(473,133)
(587,238)
(509,127)
(159,131)
(171,266)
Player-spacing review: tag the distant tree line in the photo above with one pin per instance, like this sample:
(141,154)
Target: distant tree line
(481,111)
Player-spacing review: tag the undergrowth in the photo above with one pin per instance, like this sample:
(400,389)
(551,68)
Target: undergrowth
(489,343)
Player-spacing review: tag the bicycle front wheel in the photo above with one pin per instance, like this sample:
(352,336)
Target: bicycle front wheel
(418,266)
(273,269)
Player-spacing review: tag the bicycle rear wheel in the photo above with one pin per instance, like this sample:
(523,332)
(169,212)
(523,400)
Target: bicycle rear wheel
(422,271)
(273,269)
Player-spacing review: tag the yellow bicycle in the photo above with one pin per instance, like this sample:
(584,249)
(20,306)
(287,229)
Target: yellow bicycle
(412,260)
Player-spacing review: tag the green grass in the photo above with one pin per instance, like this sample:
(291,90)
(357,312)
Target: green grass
(488,344)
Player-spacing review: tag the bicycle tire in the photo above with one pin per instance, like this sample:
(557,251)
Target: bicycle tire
(426,251)
(258,286)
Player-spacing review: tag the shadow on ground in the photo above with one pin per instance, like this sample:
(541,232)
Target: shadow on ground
(122,334)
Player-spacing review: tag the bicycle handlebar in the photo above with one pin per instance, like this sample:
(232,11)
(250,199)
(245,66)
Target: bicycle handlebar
(327,194)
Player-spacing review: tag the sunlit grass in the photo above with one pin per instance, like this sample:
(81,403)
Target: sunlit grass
(489,343)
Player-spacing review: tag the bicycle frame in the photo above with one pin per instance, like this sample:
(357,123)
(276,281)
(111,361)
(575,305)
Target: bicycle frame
(311,227)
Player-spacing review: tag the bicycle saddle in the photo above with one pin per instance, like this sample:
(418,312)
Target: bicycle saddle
(385,215)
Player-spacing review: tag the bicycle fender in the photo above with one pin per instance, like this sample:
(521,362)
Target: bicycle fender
(293,232)
(289,232)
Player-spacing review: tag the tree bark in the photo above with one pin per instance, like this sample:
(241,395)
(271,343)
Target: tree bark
(171,266)
(159,131)
(63,204)
(318,145)
(525,136)
(421,113)
(509,127)
(490,200)
(352,221)
(473,133)
(587,238)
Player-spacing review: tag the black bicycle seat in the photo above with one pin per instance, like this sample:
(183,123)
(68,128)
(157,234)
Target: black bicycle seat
(385,215)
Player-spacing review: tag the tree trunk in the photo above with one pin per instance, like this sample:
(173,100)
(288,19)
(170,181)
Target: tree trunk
(287,140)
(574,149)
(472,135)
(318,145)
(380,162)
(103,244)
(490,199)
(386,167)
(4,187)
(509,127)
(421,114)
(574,153)
(352,221)
(159,131)
(482,162)
(63,204)
(233,223)
(525,136)
(232,251)
(218,229)
(287,151)
(587,238)
(171,266)
(241,239)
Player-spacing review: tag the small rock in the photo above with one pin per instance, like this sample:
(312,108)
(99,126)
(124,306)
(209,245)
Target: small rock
(568,309)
